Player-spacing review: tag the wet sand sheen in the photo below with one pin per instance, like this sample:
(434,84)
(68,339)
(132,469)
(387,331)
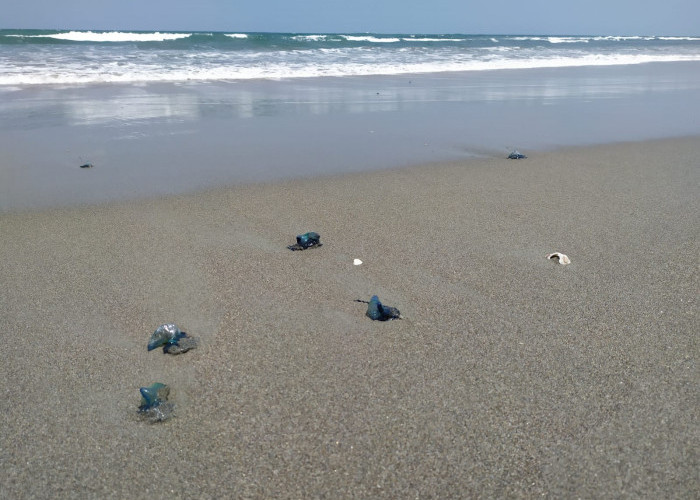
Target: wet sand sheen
(160,139)
(509,375)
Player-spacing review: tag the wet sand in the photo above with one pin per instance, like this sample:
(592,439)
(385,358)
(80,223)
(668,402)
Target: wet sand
(157,139)
(509,376)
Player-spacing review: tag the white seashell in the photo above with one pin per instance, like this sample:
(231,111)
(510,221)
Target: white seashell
(357,262)
(562,258)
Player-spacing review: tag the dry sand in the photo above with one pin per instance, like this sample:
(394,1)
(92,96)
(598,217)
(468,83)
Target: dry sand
(510,376)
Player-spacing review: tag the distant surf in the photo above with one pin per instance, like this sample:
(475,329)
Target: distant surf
(29,57)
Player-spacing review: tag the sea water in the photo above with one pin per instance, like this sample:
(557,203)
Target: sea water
(161,113)
(78,57)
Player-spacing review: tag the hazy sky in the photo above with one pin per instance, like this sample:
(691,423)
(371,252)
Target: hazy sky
(614,17)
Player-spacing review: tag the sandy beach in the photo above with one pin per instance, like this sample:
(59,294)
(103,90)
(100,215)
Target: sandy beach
(510,376)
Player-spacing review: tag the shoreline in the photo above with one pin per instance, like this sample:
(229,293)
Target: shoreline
(509,376)
(156,140)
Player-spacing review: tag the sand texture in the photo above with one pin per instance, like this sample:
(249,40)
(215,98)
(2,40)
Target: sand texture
(509,376)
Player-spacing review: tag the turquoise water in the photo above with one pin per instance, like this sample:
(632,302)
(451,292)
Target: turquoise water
(29,57)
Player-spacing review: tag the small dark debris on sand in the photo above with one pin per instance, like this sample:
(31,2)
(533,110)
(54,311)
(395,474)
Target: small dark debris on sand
(306,240)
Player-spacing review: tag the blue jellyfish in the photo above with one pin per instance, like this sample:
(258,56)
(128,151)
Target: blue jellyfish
(379,312)
(154,402)
(172,339)
(307,240)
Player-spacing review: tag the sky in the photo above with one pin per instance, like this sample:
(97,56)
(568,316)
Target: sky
(572,17)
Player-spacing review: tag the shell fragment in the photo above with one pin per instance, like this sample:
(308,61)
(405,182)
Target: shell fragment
(560,257)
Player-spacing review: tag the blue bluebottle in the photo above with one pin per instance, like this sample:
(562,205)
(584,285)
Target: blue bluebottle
(154,402)
(172,339)
(379,312)
(307,240)
(516,155)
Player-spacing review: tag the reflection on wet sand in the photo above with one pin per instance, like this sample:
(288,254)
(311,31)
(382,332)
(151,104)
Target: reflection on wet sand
(167,138)
(117,105)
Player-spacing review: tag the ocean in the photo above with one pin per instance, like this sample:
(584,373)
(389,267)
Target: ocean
(39,57)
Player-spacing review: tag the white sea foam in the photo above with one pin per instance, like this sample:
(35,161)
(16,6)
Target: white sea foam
(566,39)
(412,39)
(236,35)
(526,38)
(621,38)
(680,38)
(112,36)
(310,38)
(611,38)
(372,39)
(197,71)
